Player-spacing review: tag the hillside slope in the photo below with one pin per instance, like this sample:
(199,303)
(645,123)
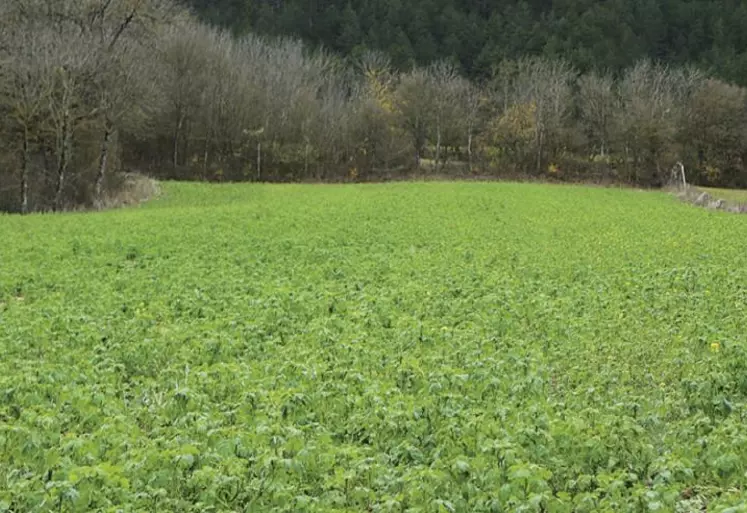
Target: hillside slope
(599,34)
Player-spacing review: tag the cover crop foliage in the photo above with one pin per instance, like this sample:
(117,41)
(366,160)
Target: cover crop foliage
(422,347)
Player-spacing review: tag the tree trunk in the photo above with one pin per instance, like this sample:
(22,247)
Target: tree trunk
(177,134)
(419,143)
(259,161)
(103,163)
(205,157)
(62,163)
(438,144)
(25,173)
(540,141)
(306,161)
(469,149)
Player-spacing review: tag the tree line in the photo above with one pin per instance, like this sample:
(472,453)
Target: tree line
(91,88)
(474,34)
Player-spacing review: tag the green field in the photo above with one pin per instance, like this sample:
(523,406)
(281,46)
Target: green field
(420,347)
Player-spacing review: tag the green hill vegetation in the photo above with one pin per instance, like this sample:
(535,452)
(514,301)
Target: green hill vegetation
(602,35)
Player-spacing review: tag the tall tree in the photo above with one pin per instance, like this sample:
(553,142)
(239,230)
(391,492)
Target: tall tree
(351,34)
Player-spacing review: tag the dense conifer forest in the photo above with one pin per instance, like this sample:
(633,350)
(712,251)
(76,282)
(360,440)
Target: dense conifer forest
(606,35)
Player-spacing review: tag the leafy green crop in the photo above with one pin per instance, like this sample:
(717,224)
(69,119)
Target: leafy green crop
(426,347)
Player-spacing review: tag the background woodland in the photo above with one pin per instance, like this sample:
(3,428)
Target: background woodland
(580,91)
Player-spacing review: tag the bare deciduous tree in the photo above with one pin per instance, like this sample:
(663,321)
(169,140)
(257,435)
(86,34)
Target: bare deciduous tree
(71,66)
(183,81)
(539,88)
(472,100)
(414,104)
(443,84)
(78,61)
(653,101)
(716,131)
(598,102)
(24,91)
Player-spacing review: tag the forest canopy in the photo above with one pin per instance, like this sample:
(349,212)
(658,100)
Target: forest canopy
(602,35)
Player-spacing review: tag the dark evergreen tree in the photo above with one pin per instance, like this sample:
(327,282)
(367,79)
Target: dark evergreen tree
(591,34)
(350,31)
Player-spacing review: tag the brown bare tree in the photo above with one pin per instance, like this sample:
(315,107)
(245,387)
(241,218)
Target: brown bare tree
(598,103)
(24,92)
